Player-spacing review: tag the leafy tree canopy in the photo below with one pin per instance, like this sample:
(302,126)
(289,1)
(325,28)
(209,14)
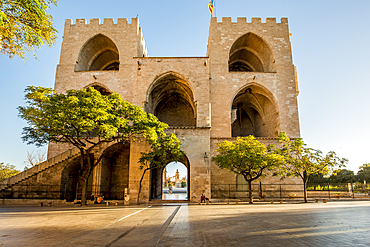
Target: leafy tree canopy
(301,161)
(7,171)
(364,173)
(317,179)
(25,26)
(343,176)
(86,118)
(82,117)
(248,157)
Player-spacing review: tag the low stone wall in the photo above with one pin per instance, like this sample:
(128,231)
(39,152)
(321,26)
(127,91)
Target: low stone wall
(30,201)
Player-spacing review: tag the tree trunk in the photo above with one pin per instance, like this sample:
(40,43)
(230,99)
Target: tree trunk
(138,195)
(250,191)
(305,179)
(86,181)
(84,191)
(305,191)
(81,160)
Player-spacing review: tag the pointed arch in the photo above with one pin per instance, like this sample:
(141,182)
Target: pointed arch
(255,111)
(104,90)
(170,97)
(98,53)
(251,53)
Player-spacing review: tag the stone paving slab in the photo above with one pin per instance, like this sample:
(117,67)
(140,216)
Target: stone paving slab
(331,224)
(311,224)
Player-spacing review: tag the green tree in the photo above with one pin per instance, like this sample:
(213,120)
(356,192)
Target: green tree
(342,176)
(364,173)
(86,119)
(25,26)
(7,171)
(301,161)
(248,157)
(164,151)
(317,179)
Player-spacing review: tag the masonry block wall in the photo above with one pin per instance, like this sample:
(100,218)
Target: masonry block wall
(245,85)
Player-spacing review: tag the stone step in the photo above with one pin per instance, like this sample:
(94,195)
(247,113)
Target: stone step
(7,183)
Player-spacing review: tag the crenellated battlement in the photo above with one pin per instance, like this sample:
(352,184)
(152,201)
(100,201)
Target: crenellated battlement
(254,20)
(109,22)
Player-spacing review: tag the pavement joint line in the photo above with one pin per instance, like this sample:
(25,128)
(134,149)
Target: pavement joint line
(301,235)
(134,213)
(168,222)
(125,217)
(295,230)
(113,222)
(130,230)
(170,226)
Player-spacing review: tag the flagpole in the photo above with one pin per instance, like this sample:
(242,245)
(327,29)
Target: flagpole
(215,7)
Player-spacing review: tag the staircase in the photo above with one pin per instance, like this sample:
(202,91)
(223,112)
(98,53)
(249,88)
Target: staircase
(69,154)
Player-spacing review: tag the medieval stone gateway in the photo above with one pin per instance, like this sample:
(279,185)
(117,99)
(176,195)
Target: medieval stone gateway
(245,85)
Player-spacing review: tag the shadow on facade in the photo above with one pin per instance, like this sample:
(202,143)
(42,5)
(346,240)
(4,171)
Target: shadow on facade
(109,179)
(255,112)
(171,100)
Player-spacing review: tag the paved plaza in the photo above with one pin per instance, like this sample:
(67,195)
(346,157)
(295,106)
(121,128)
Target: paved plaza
(312,224)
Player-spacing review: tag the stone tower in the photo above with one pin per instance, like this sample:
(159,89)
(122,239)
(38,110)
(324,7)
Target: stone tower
(245,85)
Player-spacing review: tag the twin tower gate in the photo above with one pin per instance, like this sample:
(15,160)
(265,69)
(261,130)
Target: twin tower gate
(245,85)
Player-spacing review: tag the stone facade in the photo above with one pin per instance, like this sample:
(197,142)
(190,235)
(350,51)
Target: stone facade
(245,85)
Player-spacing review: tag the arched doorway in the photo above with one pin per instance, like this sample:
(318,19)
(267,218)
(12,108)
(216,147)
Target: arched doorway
(175,182)
(109,178)
(254,111)
(100,87)
(72,182)
(157,181)
(112,174)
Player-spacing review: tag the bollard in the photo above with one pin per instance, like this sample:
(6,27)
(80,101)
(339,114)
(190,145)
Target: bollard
(281,201)
(236,202)
(324,200)
(272,201)
(316,200)
(116,203)
(227,202)
(41,204)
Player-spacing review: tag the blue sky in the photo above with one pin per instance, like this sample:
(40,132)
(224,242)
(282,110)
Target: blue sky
(173,167)
(330,49)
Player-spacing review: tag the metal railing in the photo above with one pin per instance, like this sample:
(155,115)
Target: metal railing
(229,191)
(50,191)
(289,191)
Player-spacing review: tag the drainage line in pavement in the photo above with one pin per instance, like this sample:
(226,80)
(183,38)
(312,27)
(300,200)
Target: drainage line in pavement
(128,231)
(168,222)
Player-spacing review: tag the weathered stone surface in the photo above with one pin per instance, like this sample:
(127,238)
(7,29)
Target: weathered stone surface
(245,85)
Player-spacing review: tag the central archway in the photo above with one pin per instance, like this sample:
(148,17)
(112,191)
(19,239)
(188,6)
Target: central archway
(174,182)
(157,182)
